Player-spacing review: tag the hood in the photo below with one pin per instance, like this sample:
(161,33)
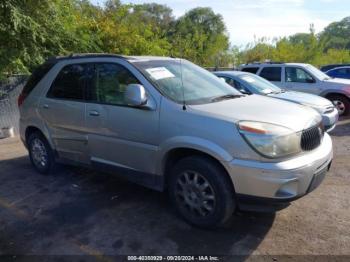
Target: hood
(303,98)
(262,109)
(341,81)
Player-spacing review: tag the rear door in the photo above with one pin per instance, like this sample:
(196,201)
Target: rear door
(120,137)
(298,79)
(272,74)
(63,110)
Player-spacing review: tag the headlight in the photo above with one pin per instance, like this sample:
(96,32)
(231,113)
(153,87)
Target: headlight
(319,109)
(271,141)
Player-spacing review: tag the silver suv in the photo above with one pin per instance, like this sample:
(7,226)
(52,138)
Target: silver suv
(305,78)
(170,125)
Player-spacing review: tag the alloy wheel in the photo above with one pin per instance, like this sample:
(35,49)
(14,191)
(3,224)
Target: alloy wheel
(39,153)
(195,194)
(340,106)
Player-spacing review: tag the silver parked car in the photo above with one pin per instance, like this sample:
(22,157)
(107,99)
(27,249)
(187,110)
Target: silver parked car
(248,83)
(305,78)
(170,125)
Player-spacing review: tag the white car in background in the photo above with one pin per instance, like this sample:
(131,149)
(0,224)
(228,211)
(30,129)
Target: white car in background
(305,78)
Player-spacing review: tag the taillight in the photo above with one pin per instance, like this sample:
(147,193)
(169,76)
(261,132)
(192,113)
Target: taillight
(21,99)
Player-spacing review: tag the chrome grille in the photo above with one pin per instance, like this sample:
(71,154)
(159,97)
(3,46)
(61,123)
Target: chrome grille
(311,138)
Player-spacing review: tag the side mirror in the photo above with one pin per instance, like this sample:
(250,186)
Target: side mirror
(245,92)
(310,81)
(222,79)
(135,95)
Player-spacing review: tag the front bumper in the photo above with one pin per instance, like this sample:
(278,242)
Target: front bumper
(283,181)
(330,120)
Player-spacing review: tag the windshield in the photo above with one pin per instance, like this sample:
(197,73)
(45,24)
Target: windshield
(181,80)
(259,84)
(317,73)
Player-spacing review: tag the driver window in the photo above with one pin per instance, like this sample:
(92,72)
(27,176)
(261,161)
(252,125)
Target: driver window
(110,82)
(298,75)
(229,81)
(241,88)
(237,85)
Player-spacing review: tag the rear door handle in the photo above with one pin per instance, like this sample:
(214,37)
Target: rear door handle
(94,113)
(46,106)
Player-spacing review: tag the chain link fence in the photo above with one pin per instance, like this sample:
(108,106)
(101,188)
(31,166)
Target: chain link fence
(10,88)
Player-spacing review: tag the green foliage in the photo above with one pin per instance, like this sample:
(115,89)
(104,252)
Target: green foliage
(33,30)
(318,50)
(29,35)
(337,35)
(200,35)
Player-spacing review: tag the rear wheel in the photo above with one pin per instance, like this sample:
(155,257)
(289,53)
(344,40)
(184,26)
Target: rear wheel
(201,191)
(341,103)
(40,153)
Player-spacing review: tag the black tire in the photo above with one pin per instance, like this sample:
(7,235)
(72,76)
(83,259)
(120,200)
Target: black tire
(44,167)
(222,207)
(343,101)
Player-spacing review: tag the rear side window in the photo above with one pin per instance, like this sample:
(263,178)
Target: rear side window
(252,70)
(69,83)
(36,76)
(342,71)
(272,74)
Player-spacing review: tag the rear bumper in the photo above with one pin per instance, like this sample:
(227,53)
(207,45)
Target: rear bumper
(280,183)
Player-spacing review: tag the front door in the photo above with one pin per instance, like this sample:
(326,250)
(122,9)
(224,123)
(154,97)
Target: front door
(119,136)
(297,79)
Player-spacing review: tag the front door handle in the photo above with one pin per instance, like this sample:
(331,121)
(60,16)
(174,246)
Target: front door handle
(46,106)
(94,113)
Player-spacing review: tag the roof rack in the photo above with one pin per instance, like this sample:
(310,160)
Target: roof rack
(83,55)
(265,62)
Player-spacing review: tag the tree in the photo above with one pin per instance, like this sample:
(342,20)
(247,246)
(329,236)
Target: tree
(200,35)
(337,35)
(29,35)
(160,16)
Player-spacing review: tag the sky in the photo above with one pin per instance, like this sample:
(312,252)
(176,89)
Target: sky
(247,20)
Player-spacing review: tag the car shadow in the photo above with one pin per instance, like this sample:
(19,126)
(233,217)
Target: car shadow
(77,210)
(343,128)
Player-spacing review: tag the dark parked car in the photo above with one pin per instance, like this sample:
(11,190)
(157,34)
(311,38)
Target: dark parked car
(330,67)
(340,72)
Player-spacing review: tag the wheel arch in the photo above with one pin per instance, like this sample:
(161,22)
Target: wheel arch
(31,129)
(328,93)
(174,155)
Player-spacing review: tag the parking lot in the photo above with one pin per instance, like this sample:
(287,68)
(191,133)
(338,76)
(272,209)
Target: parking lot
(84,212)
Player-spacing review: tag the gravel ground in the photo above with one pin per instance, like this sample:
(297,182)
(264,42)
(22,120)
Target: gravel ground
(83,212)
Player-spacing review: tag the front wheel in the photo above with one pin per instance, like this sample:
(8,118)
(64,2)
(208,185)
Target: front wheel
(341,103)
(201,191)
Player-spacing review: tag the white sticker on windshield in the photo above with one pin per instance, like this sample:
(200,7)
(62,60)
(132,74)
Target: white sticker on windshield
(248,79)
(158,73)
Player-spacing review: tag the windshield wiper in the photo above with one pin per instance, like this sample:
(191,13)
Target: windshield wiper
(225,97)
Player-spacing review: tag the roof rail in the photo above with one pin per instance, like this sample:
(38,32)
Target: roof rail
(265,62)
(82,55)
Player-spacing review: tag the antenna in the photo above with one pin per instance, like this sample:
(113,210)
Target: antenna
(183,88)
